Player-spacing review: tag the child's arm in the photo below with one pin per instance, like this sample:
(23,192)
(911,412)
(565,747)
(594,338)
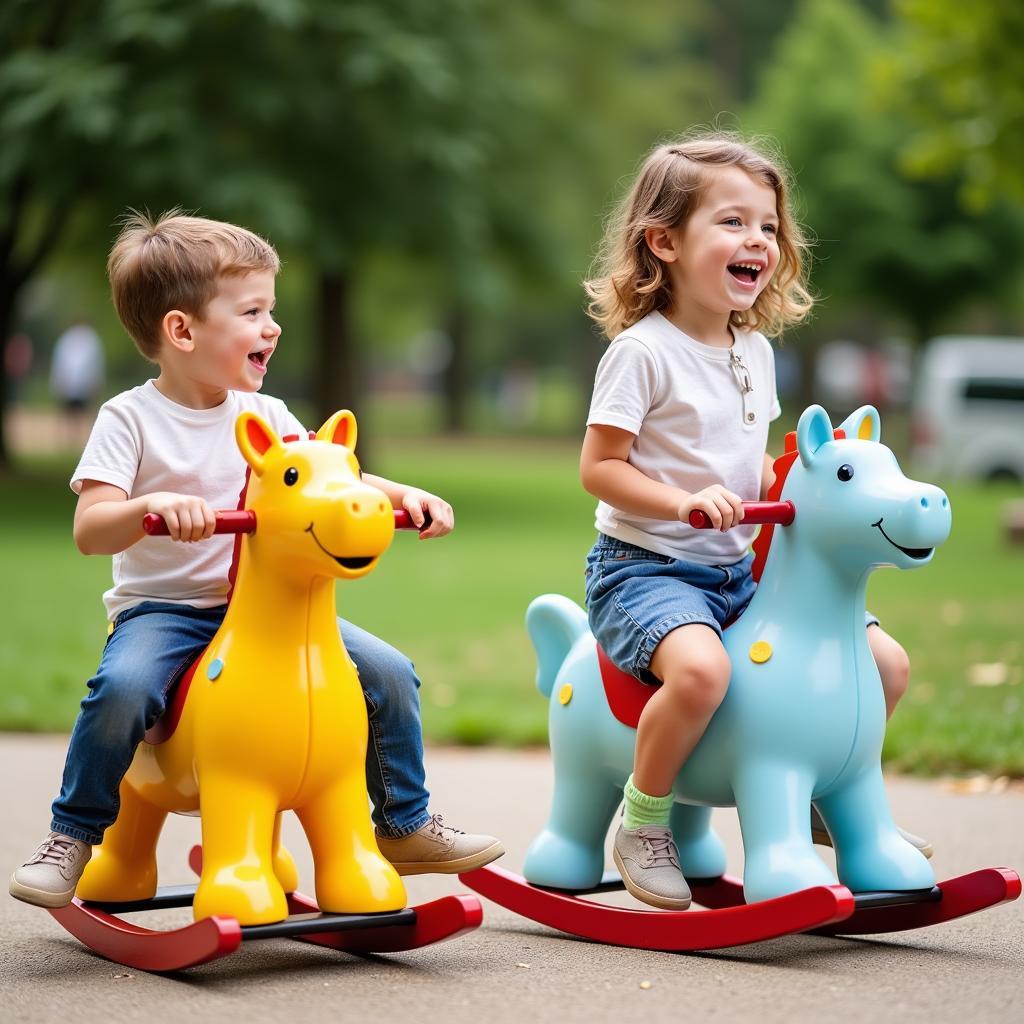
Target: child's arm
(767,476)
(107,522)
(607,475)
(416,503)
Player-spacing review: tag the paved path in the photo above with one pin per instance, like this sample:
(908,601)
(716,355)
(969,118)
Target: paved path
(969,971)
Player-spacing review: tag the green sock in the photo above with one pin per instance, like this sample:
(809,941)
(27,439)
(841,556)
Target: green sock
(642,809)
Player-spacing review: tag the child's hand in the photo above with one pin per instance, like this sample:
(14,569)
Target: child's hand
(723,508)
(442,518)
(188,518)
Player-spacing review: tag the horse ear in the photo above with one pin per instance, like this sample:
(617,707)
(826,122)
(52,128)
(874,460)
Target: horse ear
(255,439)
(864,424)
(813,430)
(340,429)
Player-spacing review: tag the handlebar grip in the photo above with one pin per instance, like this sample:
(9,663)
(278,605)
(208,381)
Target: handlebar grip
(755,513)
(244,521)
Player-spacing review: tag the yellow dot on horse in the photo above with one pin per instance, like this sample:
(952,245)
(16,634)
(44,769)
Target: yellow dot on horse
(760,652)
(565,694)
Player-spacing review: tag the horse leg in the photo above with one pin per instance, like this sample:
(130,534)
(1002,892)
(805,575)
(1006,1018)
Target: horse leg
(351,875)
(284,864)
(701,853)
(569,852)
(123,866)
(779,858)
(870,852)
(238,878)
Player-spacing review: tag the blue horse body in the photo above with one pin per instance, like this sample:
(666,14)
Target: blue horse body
(806,724)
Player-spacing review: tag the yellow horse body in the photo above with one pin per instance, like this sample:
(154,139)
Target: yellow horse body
(275,717)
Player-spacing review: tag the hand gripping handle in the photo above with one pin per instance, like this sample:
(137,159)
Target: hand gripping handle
(755,513)
(244,521)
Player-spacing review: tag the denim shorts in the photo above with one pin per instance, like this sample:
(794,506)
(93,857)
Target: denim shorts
(636,597)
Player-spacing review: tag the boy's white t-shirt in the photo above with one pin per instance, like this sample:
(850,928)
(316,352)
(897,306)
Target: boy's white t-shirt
(694,427)
(143,442)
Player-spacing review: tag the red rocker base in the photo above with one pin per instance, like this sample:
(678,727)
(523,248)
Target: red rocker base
(728,921)
(145,949)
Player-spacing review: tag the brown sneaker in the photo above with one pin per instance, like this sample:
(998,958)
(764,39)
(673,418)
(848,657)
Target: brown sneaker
(438,847)
(48,878)
(819,835)
(649,864)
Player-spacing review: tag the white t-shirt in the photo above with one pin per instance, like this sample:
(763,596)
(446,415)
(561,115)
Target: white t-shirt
(694,427)
(143,442)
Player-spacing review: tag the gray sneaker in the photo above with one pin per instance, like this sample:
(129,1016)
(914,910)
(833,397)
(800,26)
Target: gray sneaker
(438,847)
(48,878)
(819,835)
(648,861)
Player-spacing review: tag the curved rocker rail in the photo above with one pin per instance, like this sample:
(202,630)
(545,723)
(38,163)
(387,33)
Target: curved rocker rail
(958,897)
(729,924)
(144,948)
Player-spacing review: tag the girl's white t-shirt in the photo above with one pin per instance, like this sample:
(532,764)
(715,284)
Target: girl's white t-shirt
(694,427)
(143,442)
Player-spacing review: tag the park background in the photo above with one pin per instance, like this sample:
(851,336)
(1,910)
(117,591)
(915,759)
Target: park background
(435,176)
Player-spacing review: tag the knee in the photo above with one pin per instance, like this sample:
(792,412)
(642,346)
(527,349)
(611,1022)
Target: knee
(120,707)
(699,684)
(894,668)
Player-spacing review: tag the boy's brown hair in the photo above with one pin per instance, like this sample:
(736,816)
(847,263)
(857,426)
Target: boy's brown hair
(174,262)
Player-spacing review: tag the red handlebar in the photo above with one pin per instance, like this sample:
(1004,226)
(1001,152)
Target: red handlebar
(244,521)
(755,513)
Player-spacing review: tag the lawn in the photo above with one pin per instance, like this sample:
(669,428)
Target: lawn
(456,606)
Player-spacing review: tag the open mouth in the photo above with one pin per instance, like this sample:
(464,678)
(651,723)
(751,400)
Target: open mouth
(260,358)
(357,562)
(748,273)
(917,553)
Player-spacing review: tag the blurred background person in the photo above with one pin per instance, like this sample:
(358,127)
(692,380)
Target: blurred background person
(76,379)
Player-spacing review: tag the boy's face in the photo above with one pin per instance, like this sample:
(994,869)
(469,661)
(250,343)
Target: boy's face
(729,248)
(237,335)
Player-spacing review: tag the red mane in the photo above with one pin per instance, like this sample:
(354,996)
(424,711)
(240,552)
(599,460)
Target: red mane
(782,466)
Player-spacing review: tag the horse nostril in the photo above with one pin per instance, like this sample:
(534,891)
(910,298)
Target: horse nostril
(355,507)
(924,503)
(382,507)
(945,502)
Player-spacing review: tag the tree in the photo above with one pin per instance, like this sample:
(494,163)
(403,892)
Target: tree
(956,77)
(883,240)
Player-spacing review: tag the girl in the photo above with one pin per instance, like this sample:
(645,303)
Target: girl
(703,256)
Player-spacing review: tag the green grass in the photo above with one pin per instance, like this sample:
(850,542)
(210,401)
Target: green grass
(456,606)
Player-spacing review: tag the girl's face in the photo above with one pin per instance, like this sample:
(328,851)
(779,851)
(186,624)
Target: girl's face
(728,250)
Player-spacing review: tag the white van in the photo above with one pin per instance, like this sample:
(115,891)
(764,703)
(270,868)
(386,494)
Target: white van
(968,409)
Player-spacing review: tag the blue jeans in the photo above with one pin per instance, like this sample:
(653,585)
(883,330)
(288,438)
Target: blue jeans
(151,645)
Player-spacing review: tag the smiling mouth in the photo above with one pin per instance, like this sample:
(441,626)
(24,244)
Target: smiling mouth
(917,553)
(746,272)
(345,563)
(260,358)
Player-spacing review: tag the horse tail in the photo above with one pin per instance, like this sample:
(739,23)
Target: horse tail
(554,623)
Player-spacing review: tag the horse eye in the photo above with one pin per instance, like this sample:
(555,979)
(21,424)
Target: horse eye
(845,472)
(291,476)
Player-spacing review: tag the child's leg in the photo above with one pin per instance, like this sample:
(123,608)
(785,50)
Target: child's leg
(142,656)
(145,653)
(415,841)
(893,666)
(395,776)
(694,670)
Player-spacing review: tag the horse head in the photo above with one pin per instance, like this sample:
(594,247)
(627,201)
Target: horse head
(316,517)
(853,500)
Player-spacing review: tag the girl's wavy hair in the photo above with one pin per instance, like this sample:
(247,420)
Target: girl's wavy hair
(630,281)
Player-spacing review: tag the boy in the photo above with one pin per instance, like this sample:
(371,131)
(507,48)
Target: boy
(197,297)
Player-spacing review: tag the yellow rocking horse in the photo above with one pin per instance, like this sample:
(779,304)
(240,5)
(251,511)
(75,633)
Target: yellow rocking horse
(275,718)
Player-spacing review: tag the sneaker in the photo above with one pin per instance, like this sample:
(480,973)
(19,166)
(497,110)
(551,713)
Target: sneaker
(648,861)
(819,835)
(48,878)
(438,847)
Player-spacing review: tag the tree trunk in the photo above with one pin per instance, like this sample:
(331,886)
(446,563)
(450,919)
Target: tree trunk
(338,380)
(7,298)
(456,373)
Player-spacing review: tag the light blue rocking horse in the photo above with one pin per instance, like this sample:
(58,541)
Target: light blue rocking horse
(804,715)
